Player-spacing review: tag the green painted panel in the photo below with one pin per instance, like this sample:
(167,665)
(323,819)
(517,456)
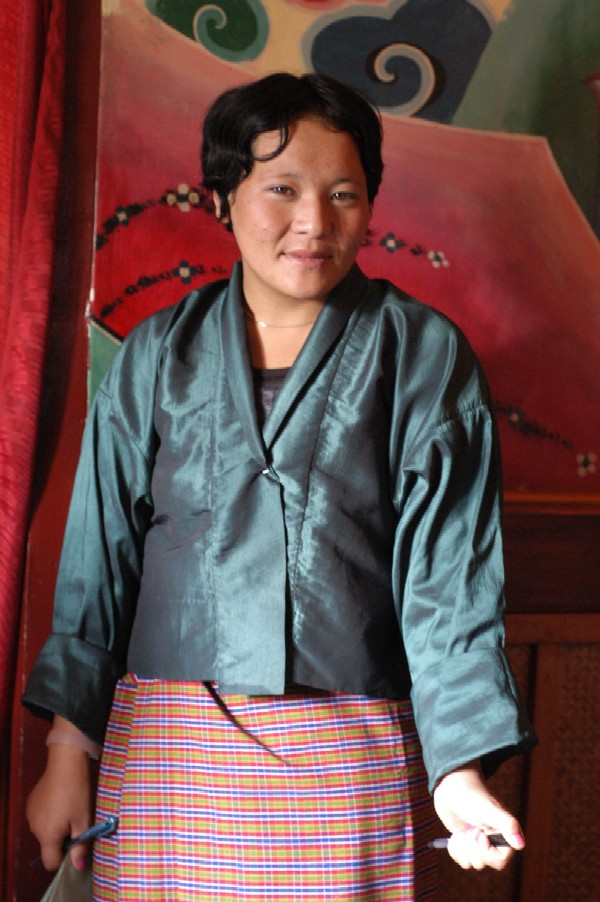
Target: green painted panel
(531,80)
(102,349)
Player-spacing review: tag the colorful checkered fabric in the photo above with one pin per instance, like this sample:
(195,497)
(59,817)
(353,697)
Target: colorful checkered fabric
(309,796)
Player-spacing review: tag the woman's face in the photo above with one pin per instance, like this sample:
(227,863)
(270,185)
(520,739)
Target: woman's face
(300,218)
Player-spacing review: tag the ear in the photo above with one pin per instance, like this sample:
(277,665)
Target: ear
(217,203)
(225,219)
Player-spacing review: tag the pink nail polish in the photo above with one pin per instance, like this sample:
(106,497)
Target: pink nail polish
(518,839)
(80,864)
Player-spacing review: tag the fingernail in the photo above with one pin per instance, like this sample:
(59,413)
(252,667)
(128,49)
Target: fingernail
(517,839)
(80,864)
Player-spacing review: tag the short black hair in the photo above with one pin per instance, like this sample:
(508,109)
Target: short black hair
(238,116)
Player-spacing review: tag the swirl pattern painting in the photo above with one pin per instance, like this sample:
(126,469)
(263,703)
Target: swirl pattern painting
(411,58)
(234,30)
(478,222)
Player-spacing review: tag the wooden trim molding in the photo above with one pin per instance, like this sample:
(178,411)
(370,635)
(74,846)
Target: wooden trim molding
(544,629)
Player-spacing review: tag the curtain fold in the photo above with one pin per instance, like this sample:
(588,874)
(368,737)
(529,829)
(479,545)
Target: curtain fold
(32,46)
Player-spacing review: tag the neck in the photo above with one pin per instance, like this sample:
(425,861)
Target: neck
(281,312)
(275,345)
(281,325)
(285,324)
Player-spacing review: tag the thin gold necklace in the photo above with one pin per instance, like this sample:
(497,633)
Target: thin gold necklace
(264,325)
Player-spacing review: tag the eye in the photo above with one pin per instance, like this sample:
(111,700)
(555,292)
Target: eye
(344,197)
(281,190)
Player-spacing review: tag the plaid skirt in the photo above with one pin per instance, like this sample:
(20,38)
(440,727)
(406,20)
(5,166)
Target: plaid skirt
(312,795)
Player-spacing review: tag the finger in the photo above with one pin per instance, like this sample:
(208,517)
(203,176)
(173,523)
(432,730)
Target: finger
(464,849)
(516,839)
(51,855)
(491,815)
(493,856)
(471,848)
(79,856)
(79,853)
(510,830)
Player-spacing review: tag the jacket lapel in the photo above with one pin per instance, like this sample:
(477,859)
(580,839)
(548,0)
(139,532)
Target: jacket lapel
(328,327)
(236,359)
(331,322)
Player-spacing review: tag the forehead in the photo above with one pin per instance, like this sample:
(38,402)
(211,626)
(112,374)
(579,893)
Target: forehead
(310,140)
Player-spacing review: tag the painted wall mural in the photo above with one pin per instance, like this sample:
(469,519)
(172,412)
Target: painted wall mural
(488,209)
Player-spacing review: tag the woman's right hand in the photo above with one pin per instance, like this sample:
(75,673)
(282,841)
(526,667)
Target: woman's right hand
(61,804)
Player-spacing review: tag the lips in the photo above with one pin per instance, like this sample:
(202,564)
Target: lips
(308,257)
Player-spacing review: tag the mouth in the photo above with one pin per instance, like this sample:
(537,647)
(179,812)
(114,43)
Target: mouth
(309,258)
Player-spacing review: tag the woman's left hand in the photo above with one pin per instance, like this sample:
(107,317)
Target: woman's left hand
(469,811)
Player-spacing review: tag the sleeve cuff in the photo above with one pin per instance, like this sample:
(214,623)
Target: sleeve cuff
(75,680)
(467,707)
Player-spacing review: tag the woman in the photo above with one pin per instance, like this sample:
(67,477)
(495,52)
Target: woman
(285,524)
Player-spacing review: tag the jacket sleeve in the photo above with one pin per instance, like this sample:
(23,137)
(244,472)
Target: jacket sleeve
(98,579)
(450,573)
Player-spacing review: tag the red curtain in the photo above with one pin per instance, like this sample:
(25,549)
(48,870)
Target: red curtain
(32,52)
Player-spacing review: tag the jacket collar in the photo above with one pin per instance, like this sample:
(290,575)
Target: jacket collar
(329,325)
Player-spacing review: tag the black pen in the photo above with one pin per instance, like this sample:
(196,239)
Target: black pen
(496,840)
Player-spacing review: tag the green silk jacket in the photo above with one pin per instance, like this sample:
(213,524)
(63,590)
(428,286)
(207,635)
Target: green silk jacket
(354,546)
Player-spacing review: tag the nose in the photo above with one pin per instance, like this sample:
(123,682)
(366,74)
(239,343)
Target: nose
(313,216)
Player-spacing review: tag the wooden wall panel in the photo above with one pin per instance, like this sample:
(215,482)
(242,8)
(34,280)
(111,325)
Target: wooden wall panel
(552,560)
(573,865)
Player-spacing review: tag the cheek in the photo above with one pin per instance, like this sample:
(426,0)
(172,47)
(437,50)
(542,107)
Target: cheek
(271,221)
(357,235)
(261,225)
